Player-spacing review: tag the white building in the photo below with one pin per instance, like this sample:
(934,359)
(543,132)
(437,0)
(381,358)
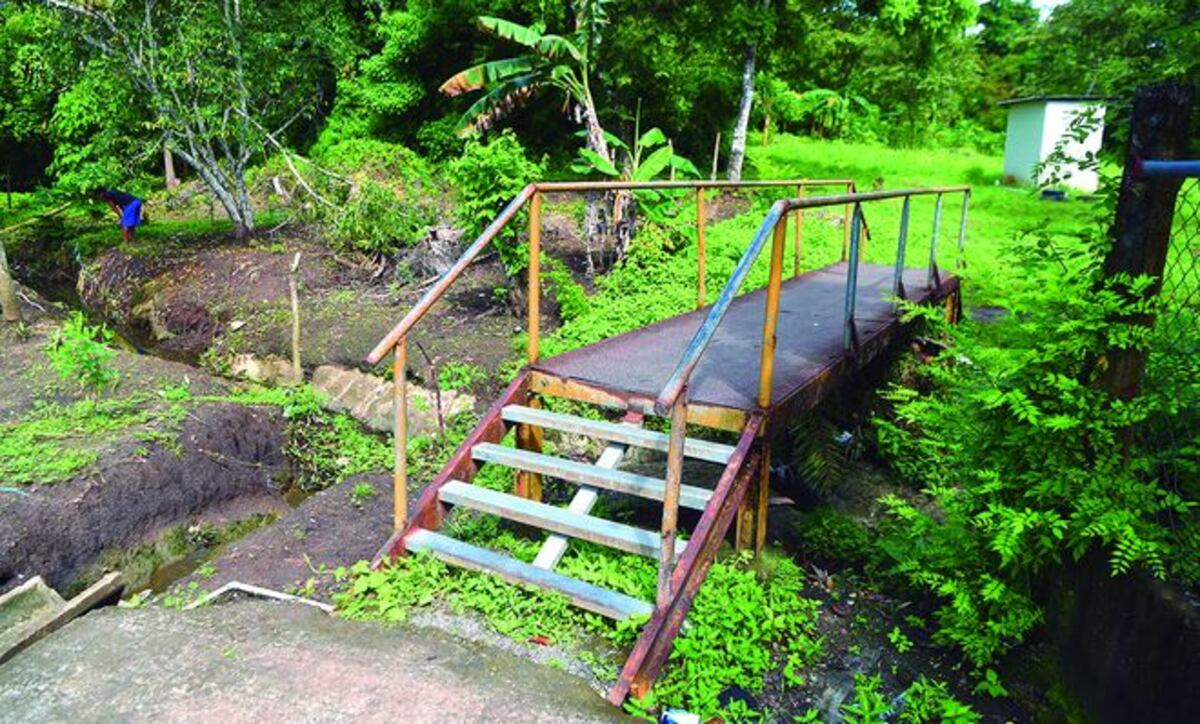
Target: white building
(1036,126)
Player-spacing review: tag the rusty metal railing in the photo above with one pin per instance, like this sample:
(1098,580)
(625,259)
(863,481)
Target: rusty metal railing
(673,398)
(395,342)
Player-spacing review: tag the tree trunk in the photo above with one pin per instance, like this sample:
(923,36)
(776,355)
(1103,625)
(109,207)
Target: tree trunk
(169,168)
(737,152)
(1160,126)
(10,306)
(594,222)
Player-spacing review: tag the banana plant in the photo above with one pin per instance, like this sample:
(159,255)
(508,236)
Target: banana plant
(558,62)
(652,154)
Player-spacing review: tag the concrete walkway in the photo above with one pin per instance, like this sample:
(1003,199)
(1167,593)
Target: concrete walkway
(254,661)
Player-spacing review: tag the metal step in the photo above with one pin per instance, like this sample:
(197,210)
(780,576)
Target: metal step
(585,595)
(713,452)
(558,520)
(584,474)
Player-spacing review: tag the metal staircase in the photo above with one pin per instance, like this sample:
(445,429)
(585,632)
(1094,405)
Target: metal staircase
(573,521)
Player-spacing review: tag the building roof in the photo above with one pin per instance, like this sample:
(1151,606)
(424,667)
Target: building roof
(1049,99)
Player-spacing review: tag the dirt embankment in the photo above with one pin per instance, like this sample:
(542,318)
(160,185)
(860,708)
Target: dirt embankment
(218,304)
(153,464)
(223,469)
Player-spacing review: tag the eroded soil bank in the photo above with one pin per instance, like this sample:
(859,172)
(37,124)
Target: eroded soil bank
(102,475)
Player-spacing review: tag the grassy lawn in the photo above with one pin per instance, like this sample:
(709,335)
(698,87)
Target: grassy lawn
(997,214)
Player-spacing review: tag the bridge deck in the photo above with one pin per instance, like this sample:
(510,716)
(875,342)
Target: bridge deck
(809,340)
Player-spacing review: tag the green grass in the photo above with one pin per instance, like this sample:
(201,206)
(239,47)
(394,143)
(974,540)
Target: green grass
(997,213)
(54,442)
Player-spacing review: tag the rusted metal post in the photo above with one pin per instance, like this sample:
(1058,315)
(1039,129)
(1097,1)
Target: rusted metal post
(799,231)
(670,515)
(750,532)
(701,248)
(902,243)
(961,262)
(771,319)
(850,332)
(400,438)
(535,277)
(934,279)
(529,437)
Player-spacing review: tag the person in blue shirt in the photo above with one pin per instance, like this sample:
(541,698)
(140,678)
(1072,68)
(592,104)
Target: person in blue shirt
(127,207)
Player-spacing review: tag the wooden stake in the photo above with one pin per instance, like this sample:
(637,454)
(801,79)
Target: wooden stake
(293,288)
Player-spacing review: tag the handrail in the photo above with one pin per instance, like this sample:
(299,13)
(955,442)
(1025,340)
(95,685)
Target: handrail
(777,213)
(396,340)
(469,255)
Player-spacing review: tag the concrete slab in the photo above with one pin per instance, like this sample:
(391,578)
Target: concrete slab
(252,661)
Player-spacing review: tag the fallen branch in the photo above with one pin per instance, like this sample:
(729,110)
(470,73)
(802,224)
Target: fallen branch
(38,217)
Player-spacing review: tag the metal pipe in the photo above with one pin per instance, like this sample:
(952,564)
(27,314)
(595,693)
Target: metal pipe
(799,231)
(535,275)
(901,244)
(846,223)
(1169,168)
(849,338)
(700,340)
(812,202)
(670,515)
(701,249)
(400,435)
(766,365)
(932,279)
(962,230)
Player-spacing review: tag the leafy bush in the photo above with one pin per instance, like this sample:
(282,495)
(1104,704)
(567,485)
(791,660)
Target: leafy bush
(487,176)
(1027,462)
(78,352)
(439,139)
(389,203)
(382,219)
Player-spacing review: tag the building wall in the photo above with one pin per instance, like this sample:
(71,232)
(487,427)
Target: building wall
(1035,129)
(1058,118)
(1023,141)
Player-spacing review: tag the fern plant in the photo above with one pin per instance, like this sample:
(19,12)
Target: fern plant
(1027,462)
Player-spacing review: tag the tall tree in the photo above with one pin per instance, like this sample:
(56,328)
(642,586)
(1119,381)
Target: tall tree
(221,79)
(10,307)
(755,23)
(562,63)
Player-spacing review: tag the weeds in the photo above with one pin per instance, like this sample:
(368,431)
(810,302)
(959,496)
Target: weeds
(78,352)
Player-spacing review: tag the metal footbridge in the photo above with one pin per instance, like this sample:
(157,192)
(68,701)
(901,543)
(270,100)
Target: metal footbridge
(745,364)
